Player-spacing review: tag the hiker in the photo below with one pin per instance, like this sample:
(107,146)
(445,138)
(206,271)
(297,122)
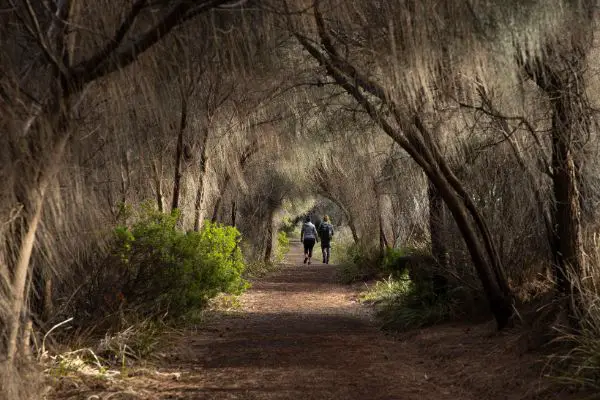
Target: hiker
(326,233)
(308,236)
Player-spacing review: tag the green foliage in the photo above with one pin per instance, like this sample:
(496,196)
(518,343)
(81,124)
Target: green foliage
(177,270)
(283,246)
(392,262)
(387,290)
(357,263)
(402,304)
(287,225)
(407,299)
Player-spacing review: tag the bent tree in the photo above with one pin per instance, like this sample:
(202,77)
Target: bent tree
(406,126)
(48,35)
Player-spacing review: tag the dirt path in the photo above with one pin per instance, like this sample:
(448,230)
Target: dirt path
(301,335)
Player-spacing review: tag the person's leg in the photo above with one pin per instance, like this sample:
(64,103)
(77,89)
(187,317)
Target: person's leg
(311,244)
(305,243)
(327,254)
(324,251)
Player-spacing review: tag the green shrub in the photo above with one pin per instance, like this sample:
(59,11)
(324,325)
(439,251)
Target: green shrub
(177,270)
(288,226)
(283,246)
(357,263)
(392,262)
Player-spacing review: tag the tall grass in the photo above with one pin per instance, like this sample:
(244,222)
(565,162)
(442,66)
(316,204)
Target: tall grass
(402,304)
(580,366)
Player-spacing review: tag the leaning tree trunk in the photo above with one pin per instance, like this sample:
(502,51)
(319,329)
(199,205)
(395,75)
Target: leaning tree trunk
(22,267)
(500,303)
(411,136)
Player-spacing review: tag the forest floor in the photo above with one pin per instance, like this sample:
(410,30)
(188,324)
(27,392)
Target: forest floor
(301,335)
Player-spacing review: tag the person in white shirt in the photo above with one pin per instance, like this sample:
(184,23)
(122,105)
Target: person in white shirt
(308,236)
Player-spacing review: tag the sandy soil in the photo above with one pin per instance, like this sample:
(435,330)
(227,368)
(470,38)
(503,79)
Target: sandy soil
(301,335)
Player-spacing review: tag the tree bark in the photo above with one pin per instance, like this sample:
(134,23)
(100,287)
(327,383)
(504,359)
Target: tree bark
(179,153)
(269,238)
(158,189)
(233,213)
(383,242)
(562,81)
(200,192)
(22,266)
(568,241)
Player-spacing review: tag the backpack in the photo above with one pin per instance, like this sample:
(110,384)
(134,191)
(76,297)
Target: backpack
(326,231)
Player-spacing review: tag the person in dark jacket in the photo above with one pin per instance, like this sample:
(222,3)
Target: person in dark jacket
(308,236)
(326,233)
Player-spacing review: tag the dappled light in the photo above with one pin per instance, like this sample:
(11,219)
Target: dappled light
(162,161)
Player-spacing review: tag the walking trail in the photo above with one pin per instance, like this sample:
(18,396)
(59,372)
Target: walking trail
(301,335)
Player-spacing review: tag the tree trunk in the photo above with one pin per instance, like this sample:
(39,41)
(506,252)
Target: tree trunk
(500,303)
(383,242)
(200,192)
(413,138)
(436,230)
(269,238)
(233,213)
(568,241)
(22,266)
(179,154)
(562,81)
(429,148)
(158,189)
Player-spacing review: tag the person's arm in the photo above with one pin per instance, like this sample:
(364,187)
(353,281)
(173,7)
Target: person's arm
(316,235)
(302,234)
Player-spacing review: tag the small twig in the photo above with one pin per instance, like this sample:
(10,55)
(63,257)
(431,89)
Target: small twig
(50,331)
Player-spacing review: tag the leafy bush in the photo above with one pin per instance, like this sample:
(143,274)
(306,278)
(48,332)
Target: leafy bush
(177,270)
(357,263)
(283,246)
(288,225)
(392,262)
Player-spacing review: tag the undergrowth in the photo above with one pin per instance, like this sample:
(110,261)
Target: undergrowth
(283,246)
(355,263)
(579,367)
(406,298)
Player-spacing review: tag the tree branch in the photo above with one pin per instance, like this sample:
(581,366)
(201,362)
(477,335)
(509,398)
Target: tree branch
(87,71)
